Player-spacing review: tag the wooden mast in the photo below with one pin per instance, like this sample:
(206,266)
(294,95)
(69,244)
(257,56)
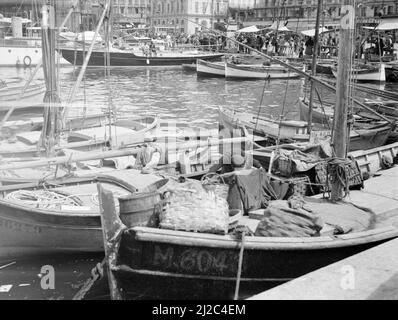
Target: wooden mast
(313,70)
(340,129)
(52,103)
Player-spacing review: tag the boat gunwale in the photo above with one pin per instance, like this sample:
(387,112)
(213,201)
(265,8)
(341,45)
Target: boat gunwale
(185,238)
(103,178)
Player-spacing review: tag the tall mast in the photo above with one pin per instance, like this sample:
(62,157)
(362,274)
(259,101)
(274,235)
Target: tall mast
(313,69)
(52,103)
(340,129)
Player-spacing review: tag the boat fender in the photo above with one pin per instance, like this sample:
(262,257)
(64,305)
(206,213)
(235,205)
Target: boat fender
(386,162)
(27,61)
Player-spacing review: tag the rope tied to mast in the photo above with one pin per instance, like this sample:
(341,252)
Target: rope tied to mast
(338,173)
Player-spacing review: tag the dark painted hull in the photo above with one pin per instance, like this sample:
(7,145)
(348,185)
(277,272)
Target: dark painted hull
(175,270)
(127,59)
(392,74)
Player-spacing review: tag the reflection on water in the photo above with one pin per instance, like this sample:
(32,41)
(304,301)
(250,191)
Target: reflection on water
(172,93)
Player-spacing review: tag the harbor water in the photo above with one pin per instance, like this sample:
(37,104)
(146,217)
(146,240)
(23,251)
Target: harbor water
(170,93)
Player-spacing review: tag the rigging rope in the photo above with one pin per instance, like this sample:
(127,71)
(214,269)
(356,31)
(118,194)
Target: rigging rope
(284,100)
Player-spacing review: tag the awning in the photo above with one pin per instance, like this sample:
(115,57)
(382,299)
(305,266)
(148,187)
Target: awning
(248,29)
(280,27)
(9,20)
(311,32)
(387,24)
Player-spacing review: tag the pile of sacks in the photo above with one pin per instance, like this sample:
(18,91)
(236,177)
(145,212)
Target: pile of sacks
(291,218)
(189,207)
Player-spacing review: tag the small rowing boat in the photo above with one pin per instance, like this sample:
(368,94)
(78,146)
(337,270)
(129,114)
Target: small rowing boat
(210,69)
(234,71)
(362,137)
(13,95)
(367,73)
(125,132)
(60,215)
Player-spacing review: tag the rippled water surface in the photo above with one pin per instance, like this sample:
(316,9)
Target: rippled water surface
(173,95)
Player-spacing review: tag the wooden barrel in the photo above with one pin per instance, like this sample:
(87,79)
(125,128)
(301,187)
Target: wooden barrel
(139,208)
(142,209)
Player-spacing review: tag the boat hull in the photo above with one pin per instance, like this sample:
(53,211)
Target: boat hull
(95,143)
(22,56)
(360,139)
(177,266)
(258,72)
(26,231)
(127,59)
(210,69)
(375,75)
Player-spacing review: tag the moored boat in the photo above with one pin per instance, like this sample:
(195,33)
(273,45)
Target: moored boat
(235,71)
(287,131)
(210,69)
(199,265)
(13,94)
(60,215)
(124,58)
(367,73)
(125,132)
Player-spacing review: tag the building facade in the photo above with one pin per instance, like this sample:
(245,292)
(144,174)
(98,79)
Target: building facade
(242,4)
(302,13)
(187,16)
(134,11)
(32,10)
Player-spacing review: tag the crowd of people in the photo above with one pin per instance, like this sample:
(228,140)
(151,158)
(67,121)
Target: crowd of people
(288,44)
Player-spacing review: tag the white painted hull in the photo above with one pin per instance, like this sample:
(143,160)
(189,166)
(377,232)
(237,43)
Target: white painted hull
(11,56)
(258,72)
(204,68)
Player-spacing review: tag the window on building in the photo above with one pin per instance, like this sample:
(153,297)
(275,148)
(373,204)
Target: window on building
(196,7)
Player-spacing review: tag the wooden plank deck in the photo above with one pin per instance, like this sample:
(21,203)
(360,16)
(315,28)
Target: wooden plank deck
(371,274)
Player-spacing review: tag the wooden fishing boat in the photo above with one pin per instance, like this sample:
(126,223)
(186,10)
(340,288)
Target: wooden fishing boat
(12,95)
(192,163)
(235,71)
(369,161)
(323,113)
(60,215)
(124,58)
(210,69)
(367,73)
(177,264)
(362,137)
(388,108)
(288,130)
(125,132)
